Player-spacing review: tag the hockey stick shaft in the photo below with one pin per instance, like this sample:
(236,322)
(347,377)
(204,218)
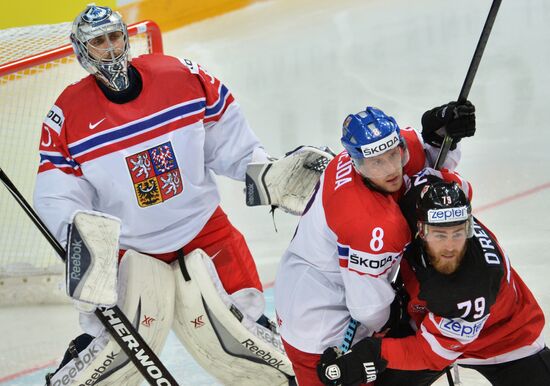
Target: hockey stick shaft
(114,320)
(470,75)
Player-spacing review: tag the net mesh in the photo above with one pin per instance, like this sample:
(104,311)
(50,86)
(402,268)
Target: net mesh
(20,42)
(26,96)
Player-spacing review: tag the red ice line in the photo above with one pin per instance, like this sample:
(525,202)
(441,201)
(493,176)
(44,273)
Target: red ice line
(482,208)
(513,197)
(28,371)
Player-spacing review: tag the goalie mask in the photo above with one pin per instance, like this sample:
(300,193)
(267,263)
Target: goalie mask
(100,42)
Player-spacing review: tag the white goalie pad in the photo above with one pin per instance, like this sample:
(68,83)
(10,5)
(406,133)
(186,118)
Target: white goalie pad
(225,341)
(92,258)
(287,183)
(146,289)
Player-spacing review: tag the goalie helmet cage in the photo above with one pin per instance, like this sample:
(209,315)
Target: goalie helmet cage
(36,64)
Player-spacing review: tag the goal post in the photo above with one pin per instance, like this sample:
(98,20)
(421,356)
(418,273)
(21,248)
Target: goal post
(36,64)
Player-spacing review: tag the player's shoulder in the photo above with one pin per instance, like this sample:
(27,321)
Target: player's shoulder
(159,63)
(72,96)
(339,180)
(426,176)
(415,148)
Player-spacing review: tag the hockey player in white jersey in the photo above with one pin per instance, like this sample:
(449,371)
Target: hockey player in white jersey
(347,247)
(141,140)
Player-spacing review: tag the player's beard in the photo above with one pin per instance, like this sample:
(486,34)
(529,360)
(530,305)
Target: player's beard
(444,265)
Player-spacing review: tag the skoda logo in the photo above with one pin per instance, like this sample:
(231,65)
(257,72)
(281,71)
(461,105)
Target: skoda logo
(95,14)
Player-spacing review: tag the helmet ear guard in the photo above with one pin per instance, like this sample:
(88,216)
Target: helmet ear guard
(96,21)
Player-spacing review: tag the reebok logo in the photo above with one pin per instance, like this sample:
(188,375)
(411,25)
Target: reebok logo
(265,355)
(100,370)
(66,375)
(76,249)
(268,337)
(92,126)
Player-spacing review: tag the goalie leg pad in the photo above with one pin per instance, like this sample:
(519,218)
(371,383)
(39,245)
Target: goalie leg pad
(223,340)
(146,296)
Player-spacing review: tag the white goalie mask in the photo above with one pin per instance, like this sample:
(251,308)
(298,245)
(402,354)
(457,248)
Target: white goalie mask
(100,41)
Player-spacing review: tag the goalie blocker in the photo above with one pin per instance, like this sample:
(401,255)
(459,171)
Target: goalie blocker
(287,183)
(92,260)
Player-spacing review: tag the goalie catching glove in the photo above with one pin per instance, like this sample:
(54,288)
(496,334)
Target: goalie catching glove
(287,183)
(362,364)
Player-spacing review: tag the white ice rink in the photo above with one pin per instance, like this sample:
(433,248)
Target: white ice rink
(299,67)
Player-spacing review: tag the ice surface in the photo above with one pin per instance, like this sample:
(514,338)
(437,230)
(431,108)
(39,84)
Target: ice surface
(299,67)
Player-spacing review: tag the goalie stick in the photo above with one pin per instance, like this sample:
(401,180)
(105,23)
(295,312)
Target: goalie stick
(114,320)
(447,142)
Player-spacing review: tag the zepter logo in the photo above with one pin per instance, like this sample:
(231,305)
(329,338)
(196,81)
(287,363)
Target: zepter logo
(448,215)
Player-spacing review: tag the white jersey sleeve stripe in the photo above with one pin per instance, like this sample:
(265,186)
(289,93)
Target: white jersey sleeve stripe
(436,347)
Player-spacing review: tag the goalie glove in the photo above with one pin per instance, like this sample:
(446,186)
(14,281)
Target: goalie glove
(287,183)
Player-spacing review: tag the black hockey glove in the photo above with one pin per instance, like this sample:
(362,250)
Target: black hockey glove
(361,364)
(458,120)
(399,317)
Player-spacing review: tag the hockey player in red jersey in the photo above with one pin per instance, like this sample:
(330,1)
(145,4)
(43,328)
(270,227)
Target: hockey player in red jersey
(467,304)
(349,242)
(141,140)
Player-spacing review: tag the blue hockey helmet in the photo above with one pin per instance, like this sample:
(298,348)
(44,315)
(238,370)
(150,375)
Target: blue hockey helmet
(370,133)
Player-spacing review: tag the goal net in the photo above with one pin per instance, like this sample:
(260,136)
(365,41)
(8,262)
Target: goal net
(36,64)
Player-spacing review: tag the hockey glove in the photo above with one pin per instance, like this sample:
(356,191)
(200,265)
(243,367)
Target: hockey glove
(458,120)
(399,317)
(362,364)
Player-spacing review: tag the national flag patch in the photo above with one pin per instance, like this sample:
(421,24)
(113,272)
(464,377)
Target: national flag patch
(155,174)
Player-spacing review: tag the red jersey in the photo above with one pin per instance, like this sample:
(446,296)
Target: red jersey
(341,261)
(482,313)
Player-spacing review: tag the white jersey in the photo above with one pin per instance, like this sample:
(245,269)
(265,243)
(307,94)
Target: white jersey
(149,161)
